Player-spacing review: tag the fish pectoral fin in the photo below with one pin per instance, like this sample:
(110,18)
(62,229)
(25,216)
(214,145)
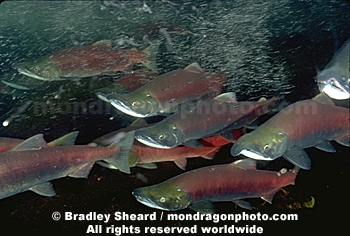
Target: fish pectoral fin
(298,157)
(193,143)
(325,145)
(226,97)
(243,204)
(66,140)
(228,135)
(204,207)
(33,143)
(269,196)
(83,171)
(344,140)
(44,189)
(148,166)
(139,122)
(181,163)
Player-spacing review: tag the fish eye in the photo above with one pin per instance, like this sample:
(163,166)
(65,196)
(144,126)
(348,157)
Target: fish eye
(266,146)
(162,199)
(133,104)
(35,68)
(161,136)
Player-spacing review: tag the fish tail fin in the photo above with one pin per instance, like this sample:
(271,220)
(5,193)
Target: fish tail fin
(65,140)
(121,162)
(151,52)
(210,155)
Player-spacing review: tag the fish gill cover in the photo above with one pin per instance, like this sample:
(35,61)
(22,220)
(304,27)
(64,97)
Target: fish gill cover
(261,46)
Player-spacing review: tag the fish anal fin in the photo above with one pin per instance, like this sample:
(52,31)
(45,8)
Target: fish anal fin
(344,140)
(44,189)
(181,163)
(298,157)
(194,68)
(83,171)
(33,143)
(246,164)
(150,166)
(210,155)
(66,140)
(204,207)
(269,196)
(243,204)
(325,145)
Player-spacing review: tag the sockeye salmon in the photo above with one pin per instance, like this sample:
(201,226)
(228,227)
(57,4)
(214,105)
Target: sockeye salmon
(168,92)
(144,156)
(32,164)
(220,115)
(308,123)
(197,189)
(334,79)
(85,61)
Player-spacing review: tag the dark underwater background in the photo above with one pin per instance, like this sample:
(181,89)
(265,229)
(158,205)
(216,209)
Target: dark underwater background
(261,46)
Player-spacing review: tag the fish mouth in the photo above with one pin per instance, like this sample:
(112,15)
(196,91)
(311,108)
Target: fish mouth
(30,74)
(255,155)
(124,108)
(14,85)
(334,89)
(147,201)
(150,141)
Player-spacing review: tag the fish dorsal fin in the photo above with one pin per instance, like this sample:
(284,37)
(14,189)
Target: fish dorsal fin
(139,122)
(103,43)
(246,164)
(44,189)
(341,58)
(324,99)
(33,143)
(66,140)
(226,97)
(194,68)
(263,99)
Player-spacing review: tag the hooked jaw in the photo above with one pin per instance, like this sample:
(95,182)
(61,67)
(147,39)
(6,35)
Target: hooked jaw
(134,104)
(147,140)
(124,108)
(334,89)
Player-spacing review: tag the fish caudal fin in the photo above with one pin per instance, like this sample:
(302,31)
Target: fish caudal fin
(151,52)
(66,140)
(122,161)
